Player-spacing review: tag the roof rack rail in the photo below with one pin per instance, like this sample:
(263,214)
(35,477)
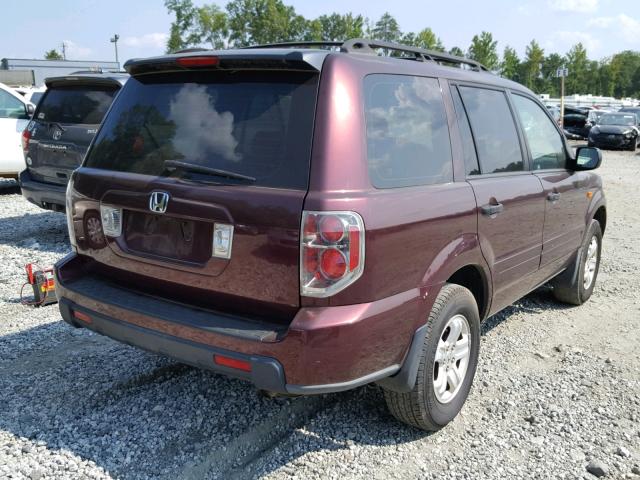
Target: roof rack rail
(303,44)
(363,45)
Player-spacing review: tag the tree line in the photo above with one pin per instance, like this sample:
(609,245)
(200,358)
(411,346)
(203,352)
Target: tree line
(250,22)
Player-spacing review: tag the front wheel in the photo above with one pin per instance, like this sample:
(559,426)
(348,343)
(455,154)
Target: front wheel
(575,285)
(448,362)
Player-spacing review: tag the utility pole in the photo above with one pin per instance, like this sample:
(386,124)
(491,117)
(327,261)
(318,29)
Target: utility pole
(64,50)
(562,73)
(114,40)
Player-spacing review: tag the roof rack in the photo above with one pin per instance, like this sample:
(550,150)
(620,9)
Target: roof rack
(303,44)
(362,45)
(421,54)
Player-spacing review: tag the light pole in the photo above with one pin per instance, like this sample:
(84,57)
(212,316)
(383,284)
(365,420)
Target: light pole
(114,40)
(562,73)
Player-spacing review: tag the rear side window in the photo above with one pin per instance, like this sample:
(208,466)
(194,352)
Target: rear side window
(253,124)
(494,130)
(75,105)
(407,134)
(545,144)
(468,148)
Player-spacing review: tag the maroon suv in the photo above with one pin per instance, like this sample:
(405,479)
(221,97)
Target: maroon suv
(313,220)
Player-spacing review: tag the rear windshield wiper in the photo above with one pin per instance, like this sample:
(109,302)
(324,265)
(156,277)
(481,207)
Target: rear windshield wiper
(56,124)
(195,168)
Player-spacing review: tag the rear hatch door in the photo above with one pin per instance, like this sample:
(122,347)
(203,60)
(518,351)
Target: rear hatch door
(64,124)
(209,170)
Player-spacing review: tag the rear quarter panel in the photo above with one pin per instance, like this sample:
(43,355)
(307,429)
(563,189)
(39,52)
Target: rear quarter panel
(416,237)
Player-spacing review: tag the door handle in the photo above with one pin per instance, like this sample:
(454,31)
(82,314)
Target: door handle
(492,209)
(553,196)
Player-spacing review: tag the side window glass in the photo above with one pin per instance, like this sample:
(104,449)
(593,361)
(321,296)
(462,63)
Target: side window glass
(494,130)
(10,107)
(468,148)
(545,144)
(407,133)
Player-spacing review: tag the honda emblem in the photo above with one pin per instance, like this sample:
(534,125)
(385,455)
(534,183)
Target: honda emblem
(158,202)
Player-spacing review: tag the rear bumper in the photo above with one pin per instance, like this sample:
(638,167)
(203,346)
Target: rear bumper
(324,349)
(45,195)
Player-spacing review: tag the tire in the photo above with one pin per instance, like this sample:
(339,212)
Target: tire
(633,146)
(573,286)
(423,407)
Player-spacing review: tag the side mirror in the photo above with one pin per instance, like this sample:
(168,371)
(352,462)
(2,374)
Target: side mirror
(588,158)
(30,109)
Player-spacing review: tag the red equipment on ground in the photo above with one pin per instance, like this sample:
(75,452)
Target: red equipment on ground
(43,283)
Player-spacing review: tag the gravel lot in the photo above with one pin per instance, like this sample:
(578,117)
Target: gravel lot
(557,393)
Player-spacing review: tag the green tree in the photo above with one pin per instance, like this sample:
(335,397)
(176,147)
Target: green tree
(263,21)
(457,51)
(483,49)
(337,27)
(577,63)
(52,55)
(510,66)
(624,72)
(387,29)
(550,83)
(213,26)
(423,39)
(531,67)
(183,31)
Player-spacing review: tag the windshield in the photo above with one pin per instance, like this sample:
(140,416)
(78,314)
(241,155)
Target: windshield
(254,124)
(618,119)
(75,105)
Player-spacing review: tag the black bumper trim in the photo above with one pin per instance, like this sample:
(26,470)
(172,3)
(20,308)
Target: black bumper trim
(266,373)
(42,194)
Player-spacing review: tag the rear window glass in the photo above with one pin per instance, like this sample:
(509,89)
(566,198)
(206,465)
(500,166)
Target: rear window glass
(494,130)
(407,134)
(257,125)
(82,105)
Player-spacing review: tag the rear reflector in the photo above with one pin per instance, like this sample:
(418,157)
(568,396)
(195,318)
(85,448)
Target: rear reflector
(198,61)
(232,363)
(82,316)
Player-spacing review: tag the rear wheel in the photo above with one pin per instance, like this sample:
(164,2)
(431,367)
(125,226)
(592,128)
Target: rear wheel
(575,285)
(447,364)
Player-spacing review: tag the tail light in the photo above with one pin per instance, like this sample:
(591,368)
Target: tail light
(26,136)
(331,252)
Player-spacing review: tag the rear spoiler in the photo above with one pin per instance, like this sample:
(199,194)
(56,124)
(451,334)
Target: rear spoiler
(276,59)
(87,80)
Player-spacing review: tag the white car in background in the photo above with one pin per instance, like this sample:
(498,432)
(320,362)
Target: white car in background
(31,94)
(15,112)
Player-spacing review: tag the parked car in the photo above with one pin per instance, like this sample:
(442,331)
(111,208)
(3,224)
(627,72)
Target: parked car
(15,112)
(56,139)
(574,121)
(616,130)
(592,119)
(314,220)
(635,110)
(32,94)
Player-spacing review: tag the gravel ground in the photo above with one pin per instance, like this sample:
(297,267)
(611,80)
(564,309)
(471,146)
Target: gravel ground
(557,393)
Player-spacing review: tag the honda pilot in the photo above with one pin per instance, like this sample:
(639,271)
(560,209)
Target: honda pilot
(316,219)
(57,137)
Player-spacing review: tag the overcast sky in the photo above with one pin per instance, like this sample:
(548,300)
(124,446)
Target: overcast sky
(603,26)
